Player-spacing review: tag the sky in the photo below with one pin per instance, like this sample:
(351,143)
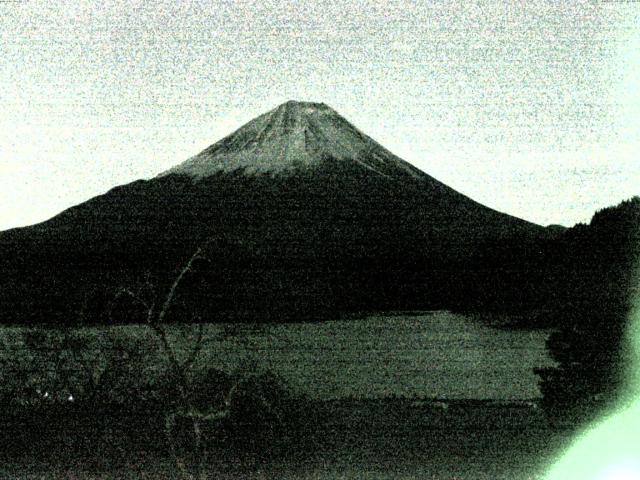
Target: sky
(531,108)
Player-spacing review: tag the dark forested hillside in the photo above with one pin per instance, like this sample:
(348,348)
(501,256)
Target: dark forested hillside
(596,274)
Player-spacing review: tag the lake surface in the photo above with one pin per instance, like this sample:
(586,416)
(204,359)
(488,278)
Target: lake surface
(433,354)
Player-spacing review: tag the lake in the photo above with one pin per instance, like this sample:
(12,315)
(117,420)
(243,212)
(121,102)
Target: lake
(430,354)
(433,354)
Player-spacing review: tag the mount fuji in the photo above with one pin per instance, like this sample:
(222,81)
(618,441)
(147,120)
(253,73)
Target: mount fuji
(303,215)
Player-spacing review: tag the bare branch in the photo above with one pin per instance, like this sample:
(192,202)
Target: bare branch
(125,291)
(82,313)
(172,291)
(151,311)
(171,355)
(195,351)
(155,321)
(169,430)
(148,283)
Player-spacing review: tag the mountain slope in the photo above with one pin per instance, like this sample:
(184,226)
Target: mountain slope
(305,215)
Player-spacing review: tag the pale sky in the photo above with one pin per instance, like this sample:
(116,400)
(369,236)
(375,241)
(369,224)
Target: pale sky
(531,108)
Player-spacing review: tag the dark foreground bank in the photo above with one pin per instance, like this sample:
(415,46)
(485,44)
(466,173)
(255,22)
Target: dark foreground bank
(394,438)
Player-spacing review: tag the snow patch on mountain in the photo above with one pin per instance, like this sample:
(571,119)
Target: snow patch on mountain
(295,136)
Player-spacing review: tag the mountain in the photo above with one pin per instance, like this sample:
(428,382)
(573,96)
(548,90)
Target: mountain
(303,216)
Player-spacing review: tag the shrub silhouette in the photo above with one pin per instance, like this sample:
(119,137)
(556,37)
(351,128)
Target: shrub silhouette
(264,413)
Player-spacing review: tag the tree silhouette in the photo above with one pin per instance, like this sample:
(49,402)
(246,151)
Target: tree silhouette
(598,280)
(156,309)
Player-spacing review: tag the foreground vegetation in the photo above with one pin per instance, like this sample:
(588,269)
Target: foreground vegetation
(346,439)
(592,345)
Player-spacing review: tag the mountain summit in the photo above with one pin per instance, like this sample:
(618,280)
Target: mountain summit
(292,137)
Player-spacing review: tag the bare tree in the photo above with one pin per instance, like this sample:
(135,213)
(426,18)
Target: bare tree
(156,309)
